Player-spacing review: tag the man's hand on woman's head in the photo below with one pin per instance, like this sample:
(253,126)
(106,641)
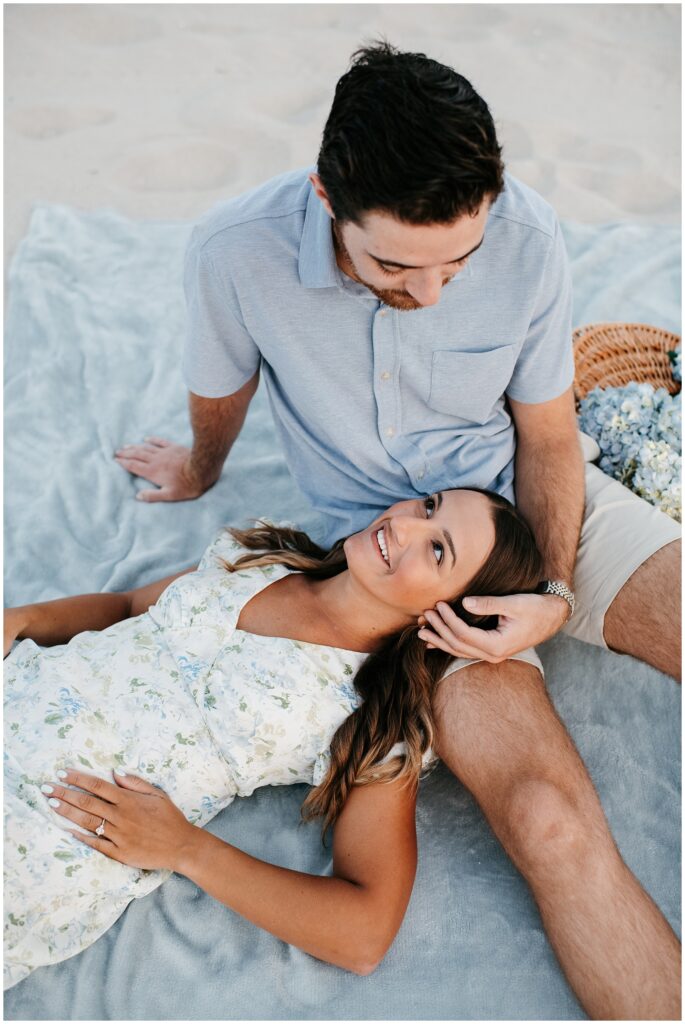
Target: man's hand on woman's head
(525,620)
(163,463)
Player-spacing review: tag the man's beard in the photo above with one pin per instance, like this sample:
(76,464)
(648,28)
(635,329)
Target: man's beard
(390,296)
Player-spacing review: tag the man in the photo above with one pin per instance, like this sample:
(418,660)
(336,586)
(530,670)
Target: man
(409,305)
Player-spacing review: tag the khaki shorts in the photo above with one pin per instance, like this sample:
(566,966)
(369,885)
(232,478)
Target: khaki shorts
(620,532)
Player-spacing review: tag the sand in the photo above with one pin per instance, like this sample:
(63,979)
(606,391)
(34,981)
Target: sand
(160,110)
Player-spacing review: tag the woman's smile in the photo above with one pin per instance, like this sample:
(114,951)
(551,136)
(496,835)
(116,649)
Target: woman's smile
(380,537)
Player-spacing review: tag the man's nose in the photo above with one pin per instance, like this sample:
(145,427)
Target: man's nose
(426,288)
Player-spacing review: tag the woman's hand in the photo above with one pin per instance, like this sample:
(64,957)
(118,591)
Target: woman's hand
(142,826)
(16,620)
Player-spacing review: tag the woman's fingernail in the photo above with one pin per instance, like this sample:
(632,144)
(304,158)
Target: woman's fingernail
(119,771)
(46,789)
(53,802)
(61,774)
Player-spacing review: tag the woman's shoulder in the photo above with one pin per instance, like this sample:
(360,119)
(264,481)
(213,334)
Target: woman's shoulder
(224,547)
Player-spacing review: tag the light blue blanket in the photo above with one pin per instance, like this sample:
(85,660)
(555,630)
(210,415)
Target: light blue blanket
(94,333)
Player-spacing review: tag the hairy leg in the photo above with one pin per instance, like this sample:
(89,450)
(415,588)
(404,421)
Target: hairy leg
(644,618)
(500,735)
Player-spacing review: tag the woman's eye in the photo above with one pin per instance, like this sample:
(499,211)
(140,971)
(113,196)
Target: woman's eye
(439,551)
(429,505)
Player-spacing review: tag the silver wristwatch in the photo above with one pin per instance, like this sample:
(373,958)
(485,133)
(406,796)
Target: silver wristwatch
(559,588)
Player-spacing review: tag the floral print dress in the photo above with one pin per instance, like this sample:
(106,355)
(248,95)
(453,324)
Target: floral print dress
(176,695)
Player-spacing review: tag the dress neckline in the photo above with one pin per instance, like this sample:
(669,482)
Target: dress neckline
(265,582)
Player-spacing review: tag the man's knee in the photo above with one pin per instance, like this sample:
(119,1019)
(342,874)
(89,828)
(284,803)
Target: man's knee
(484,714)
(545,824)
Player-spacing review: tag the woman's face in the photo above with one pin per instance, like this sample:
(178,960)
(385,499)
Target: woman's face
(423,550)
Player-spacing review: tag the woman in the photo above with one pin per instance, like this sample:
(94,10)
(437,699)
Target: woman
(287,665)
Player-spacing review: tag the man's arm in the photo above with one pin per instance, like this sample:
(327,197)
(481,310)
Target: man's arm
(182,473)
(550,493)
(550,481)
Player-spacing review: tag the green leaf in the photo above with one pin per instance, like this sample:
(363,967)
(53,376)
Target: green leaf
(84,760)
(184,741)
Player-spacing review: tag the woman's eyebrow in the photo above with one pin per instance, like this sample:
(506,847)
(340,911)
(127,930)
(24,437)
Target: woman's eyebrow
(451,546)
(408,266)
(448,538)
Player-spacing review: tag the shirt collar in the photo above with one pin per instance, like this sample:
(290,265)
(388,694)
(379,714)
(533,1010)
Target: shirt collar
(317,266)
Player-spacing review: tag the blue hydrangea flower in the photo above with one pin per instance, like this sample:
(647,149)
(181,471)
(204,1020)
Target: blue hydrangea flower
(638,430)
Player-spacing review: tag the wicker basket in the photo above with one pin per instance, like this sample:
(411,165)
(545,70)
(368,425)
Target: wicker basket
(611,355)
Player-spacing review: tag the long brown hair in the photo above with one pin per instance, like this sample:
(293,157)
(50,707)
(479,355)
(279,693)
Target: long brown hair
(397,681)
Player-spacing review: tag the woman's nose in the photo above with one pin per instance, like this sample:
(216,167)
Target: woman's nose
(402,528)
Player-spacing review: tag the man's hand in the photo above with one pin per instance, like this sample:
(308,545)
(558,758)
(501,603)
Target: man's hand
(524,621)
(163,463)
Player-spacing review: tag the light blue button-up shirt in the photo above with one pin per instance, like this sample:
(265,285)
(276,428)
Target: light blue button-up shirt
(374,404)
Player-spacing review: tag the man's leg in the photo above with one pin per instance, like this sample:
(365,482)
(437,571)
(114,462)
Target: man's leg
(644,618)
(627,576)
(500,735)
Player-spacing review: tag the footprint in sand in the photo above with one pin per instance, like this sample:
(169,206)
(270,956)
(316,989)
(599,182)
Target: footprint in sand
(212,112)
(49,122)
(177,165)
(297,105)
(610,157)
(108,25)
(214,115)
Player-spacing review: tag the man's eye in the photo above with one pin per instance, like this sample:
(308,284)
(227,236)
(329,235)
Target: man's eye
(429,505)
(439,551)
(390,273)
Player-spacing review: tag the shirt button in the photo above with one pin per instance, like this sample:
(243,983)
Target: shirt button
(383,312)
(390,432)
(385,375)
(420,475)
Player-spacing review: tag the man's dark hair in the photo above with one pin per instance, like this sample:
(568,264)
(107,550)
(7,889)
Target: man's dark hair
(408,136)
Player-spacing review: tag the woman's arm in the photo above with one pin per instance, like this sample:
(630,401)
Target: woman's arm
(56,622)
(349,920)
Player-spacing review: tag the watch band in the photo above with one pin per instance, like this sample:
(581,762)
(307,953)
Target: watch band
(559,588)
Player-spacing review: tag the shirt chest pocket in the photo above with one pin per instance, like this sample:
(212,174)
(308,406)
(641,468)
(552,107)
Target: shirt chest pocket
(469,384)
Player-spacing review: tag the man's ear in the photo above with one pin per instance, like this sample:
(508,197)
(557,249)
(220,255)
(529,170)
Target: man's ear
(317,185)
